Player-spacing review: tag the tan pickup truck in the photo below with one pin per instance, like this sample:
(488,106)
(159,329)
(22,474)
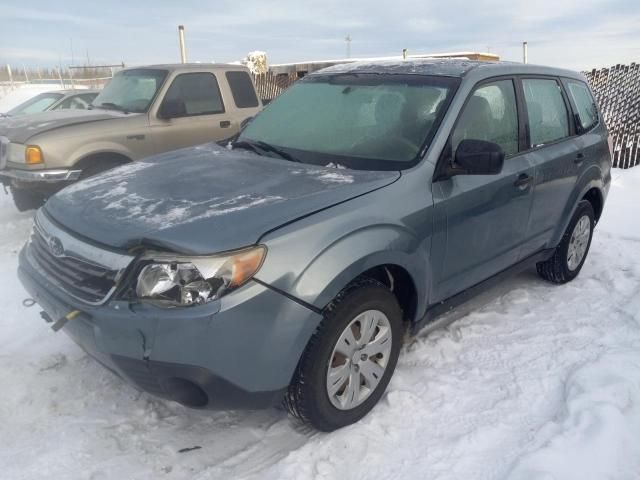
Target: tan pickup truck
(141,111)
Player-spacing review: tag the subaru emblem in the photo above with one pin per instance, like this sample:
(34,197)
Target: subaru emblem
(56,247)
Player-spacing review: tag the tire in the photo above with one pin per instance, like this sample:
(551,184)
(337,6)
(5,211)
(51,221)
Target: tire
(99,165)
(564,265)
(25,199)
(308,396)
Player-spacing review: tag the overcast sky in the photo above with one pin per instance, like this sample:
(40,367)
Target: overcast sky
(575,34)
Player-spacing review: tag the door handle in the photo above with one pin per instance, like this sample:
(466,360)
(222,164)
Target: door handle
(579,158)
(523,181)
(225,124)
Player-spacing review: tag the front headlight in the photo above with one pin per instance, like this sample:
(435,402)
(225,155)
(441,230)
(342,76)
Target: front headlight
(16,153)
(182,281)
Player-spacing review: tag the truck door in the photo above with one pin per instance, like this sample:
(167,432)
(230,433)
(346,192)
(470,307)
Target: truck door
(192,112)
(486,216)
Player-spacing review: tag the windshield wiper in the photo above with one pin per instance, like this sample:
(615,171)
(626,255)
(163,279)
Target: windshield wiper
(245,146)
(113,106)
(267,147)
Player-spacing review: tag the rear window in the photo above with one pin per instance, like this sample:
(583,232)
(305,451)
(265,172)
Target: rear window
(585,104)
(244,95)
(547,112)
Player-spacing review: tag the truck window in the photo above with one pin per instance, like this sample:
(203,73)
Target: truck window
(244,95)
(547,112)
(490,115)
(199,92)
(585,104)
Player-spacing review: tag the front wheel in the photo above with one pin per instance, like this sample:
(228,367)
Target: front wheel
(25,199)
(350,359)
(571,253)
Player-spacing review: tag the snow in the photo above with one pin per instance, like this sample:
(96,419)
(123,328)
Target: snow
(532,381)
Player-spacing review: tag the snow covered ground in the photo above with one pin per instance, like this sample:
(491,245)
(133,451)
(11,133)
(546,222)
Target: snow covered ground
(532,381)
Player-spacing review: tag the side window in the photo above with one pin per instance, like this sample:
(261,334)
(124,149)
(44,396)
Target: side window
(73,103)
(198,92)
(585,104)
(547,112)
(491,115)
(244,95)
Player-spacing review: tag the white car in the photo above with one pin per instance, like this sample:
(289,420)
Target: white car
(58,100)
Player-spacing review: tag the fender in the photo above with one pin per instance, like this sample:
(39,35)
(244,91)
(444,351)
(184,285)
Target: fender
(590,178)
(336,266)
(96,148)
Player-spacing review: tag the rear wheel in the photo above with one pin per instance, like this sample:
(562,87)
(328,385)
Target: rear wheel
(350,359)
(571,253)
(25,199)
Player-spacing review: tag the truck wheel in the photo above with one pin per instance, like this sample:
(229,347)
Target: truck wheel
(349,361)
(571,253)
(99,165)
(25,199)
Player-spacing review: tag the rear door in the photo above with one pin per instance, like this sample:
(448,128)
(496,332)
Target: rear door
(486,215)
(203,114)
(553,151)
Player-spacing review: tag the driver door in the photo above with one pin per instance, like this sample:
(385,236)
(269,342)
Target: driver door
(485,217)
(200,118)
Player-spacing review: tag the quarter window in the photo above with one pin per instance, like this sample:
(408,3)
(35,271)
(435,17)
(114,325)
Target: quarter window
(198,91)
(491,115)
(244,95)
(585,104)
(546,111)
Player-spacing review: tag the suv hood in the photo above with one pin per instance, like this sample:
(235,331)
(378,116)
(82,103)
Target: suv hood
(203,200)
(20,129)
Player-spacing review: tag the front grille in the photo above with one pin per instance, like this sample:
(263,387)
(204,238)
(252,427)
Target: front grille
(85,281)
(4,151)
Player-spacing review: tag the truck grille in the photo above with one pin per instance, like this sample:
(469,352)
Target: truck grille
(4,151)
(82,280)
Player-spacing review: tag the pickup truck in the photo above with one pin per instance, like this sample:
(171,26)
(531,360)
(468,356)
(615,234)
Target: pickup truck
(142,111)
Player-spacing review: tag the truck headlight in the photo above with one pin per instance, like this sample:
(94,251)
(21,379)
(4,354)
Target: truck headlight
(181,281)
(16,153)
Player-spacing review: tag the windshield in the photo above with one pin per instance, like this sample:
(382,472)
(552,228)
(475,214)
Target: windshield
(37,104)
(131,90)
(361,121)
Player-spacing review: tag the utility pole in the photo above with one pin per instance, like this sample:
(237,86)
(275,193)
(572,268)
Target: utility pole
(525,53)
(348,40)
(183,48)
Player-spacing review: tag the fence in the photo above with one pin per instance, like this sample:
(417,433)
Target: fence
(269,85)
(617,90)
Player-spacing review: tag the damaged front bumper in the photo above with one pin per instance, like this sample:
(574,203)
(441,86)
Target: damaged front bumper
(239,352)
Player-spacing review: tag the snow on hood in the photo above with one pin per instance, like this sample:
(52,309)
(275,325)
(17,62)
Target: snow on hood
(203,199)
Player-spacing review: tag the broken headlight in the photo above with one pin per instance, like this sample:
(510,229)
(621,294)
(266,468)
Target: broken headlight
(181,281)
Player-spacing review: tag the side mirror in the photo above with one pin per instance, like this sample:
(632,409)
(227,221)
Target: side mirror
(172,108)
(477,157)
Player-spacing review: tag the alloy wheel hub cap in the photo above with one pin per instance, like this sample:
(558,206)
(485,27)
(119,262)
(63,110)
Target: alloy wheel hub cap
(359,359)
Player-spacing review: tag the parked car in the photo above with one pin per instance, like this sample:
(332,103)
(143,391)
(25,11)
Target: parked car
(359,204)
(58,100)
(140,112)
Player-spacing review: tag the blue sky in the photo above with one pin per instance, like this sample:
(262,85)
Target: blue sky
(574,34)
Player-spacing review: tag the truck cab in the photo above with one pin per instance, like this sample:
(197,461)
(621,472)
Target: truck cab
(142,111)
